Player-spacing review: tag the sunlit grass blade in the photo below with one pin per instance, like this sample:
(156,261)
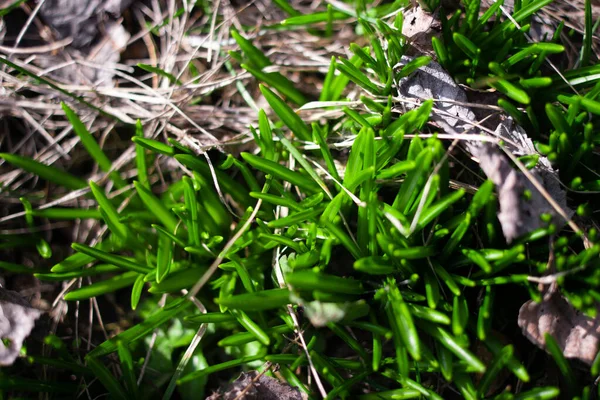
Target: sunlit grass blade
(279,82)
(286,114)
(485,314)
(214,317)
(155,206)
(266,135)
(309,280)
(439,207)
(154,146)
(281,172)
(357,76)
(512,91)
(102,287)
(113,259)
(136,291)
(64,213)
(78,260)
(525,12)
(257,301)
(453,345)
(543,393)
(256,56)
(174,282)
(90,144)
(295,218)
(314,18)
(428,314)
(302,161)
(163,257)
(63,276)
(466,45)
(414,179)
(252,327)
(226,183)
(403,319)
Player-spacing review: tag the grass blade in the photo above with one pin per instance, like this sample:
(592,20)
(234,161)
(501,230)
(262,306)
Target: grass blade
(46,172)
(102,287)
(286,114)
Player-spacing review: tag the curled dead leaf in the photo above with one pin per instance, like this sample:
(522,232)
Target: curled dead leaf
(577,334)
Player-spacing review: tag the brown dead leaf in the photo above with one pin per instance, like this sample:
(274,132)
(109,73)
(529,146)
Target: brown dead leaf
(517,217)
(419,26)
(416,21)
(577,334)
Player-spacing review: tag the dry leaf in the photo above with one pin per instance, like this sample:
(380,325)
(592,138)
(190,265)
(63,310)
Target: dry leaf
(17,319)
(252,386)
(419,26)
(577,334)
(517,216)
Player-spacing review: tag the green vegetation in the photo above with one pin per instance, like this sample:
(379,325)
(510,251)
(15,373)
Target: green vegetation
(347,250)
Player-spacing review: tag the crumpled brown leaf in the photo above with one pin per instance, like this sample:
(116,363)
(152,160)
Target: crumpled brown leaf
(419,26)
(577,334)
(17,319)
(257,388)
(517,216)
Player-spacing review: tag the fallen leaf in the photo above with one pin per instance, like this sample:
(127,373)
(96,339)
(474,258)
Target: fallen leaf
(517,216)
(17,319)
(416,21)
(577,334)
(433,82)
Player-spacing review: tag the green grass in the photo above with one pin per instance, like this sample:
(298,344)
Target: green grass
(392,276)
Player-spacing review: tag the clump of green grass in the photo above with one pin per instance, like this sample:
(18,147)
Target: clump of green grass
(383,274)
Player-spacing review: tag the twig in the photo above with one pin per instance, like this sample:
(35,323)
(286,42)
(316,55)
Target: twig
(48,48)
